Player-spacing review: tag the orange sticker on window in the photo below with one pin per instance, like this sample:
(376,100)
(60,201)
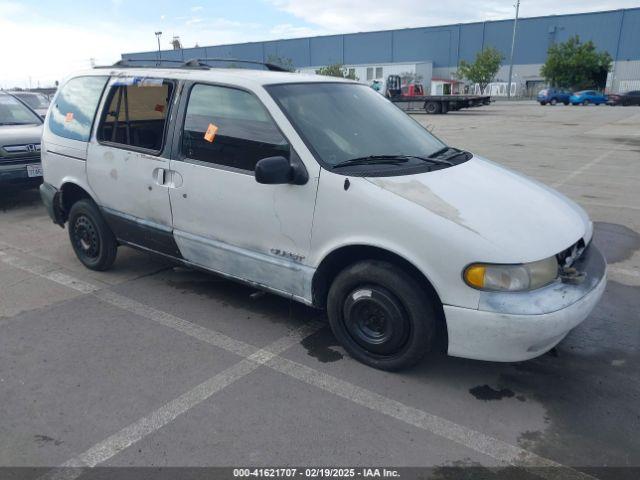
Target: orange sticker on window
(210,134)
(68,117)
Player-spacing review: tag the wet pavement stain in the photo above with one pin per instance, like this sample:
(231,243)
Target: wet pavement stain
(467,470)
(230,294)
(44,439)
(319,346)
(616,242)
(529,438)
(486,393)
(591,403)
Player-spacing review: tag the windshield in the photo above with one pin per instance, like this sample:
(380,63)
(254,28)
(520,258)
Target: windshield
(344,121)
(12,112)
(34,100)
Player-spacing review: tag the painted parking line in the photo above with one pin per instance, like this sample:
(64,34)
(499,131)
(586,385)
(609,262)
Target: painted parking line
(589,165)
(499,450)
(49,272)
(624,272)
(108,448)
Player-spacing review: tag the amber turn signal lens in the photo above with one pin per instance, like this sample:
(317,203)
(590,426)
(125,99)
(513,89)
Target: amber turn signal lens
(474,275)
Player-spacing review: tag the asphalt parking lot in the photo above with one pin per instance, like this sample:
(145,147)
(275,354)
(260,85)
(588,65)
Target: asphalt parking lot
(155,365)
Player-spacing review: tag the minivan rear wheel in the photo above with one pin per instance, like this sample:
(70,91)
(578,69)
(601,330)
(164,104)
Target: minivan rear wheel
(91,238)
(381,315)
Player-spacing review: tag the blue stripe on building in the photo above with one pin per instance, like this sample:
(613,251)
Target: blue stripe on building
(616,31)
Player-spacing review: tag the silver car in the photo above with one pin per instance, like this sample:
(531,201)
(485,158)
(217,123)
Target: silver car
(20,133)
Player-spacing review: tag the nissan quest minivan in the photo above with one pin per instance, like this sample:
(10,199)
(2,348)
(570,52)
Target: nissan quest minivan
(320,190)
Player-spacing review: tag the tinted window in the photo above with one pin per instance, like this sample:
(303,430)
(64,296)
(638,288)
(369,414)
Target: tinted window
(229,127)
(343,121)
(12,112)
(75,107)
(136,113)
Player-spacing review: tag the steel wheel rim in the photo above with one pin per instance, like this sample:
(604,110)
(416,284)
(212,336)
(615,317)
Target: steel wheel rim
(85,237)
(376,320)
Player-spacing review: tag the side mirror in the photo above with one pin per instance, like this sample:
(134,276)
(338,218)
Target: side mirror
(279,170)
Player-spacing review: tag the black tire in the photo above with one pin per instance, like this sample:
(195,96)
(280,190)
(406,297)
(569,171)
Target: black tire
(553,101)
(566,102)
(381,315)
(433,108)
(91,238)
(543,103)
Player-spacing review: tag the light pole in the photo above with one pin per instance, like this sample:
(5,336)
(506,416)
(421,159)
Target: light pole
(513,46)
(158,34)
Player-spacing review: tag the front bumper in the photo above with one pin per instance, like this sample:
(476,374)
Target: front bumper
(16,174)
(517,326)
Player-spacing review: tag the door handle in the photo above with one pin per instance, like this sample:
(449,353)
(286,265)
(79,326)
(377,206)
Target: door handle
(167,178)
(160,176)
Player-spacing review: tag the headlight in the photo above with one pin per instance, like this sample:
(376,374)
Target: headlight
(511,278)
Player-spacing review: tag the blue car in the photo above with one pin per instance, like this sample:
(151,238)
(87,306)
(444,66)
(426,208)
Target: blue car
(553,96)
(588,97)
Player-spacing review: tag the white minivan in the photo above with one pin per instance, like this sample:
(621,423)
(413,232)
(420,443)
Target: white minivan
(320,190)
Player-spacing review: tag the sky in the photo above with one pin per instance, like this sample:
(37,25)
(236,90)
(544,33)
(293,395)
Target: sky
(44,40)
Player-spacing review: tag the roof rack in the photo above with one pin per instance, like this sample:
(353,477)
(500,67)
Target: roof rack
(203,62)
(194,63)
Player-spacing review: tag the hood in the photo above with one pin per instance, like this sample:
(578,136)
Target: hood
(19,135)
(523,219)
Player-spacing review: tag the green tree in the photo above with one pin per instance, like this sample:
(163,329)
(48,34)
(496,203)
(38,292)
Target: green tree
(281,62)
(336,70)
(483,69)
(576,65)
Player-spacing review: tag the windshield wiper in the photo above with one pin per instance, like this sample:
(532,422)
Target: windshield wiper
(12,123)
(440,154)
(401,158)
(374,160)
(438,161)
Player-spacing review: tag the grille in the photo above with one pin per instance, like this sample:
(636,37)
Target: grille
(27,148)
(18,160)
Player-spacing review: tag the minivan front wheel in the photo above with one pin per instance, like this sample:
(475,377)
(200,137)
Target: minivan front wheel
(381,315)
(91,238)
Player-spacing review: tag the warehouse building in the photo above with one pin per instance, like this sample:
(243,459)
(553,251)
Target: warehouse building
(434,53)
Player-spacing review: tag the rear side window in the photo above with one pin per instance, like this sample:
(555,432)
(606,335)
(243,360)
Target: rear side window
(230,127)
(75,107)
(135,114)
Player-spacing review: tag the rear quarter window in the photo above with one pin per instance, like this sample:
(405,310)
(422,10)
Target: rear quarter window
(75,107)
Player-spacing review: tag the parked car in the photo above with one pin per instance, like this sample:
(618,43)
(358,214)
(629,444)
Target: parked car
(37,101)
(20,132)
(587,97)
(552,96)
(322,191)
(626,99)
